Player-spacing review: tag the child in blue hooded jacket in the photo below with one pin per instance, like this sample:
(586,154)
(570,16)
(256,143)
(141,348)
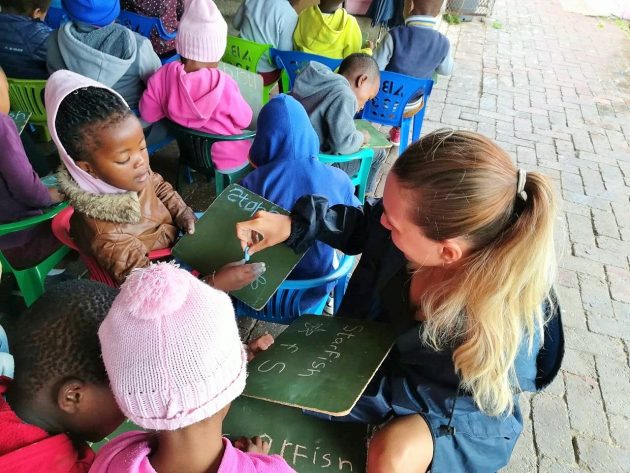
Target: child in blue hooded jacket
(285,155)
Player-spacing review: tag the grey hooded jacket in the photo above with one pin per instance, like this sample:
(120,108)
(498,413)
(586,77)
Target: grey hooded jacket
(113,55)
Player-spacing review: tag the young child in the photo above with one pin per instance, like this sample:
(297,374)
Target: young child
(285,154)
(175,362)
(168,11)
(23,37)
(94,46)
(197,95)
(22,195)
(332,100)
(267,22)
(416,49)
(60,396)
(329,30)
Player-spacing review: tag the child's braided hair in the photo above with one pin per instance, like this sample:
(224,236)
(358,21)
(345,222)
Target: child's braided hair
(82,110)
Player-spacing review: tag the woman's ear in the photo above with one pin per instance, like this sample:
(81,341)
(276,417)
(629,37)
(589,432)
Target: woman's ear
(452,251)
(70,395)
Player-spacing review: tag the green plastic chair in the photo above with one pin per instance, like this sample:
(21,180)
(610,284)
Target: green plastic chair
(246,55)
(27,95)
(195,151)
(366,155)
(31,280)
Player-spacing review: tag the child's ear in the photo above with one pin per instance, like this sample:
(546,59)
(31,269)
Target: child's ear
(85,166)
(361,80)
(39,14)
(70,395)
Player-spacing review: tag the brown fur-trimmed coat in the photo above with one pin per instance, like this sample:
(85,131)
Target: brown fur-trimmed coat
(119,230)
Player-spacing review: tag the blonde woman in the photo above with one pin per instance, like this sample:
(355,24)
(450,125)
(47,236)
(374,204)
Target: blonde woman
(459,257)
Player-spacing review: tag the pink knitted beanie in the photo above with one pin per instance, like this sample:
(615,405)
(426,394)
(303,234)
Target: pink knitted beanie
(171,349)
(202,32)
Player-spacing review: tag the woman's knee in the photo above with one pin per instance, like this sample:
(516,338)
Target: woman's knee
(403,445)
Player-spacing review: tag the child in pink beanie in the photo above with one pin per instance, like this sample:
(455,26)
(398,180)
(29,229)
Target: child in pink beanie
(194,93)
(172,352)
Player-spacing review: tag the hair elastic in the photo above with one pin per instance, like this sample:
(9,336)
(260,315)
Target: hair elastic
(520,184)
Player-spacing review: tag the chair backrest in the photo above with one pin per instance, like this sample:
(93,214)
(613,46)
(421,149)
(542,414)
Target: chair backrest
(244,53)
(144,25)
(395,92)
(55,17)
(284,306)
(360,178)
(294,61)
(27,95)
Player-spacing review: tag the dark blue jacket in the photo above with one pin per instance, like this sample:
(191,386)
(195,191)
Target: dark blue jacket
(23,46)
(285,153)
(416,379)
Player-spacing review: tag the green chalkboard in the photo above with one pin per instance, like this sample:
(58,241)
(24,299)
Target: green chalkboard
(319,363)
(377,139)
(214,244)
(308,444)
(20,118)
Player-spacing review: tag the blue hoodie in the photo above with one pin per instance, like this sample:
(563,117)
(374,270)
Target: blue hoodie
(285,153)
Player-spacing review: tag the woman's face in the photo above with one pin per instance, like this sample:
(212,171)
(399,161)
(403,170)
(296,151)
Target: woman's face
(409,238)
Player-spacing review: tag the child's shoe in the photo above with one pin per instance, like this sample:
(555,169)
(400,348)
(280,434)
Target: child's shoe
(394,136)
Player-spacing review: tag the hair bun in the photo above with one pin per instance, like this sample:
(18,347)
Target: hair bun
(148,293)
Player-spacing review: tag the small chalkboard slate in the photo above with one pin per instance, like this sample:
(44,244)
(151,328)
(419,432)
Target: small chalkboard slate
(377,139)
(321,364)
(214,244)
(308,444)
(250,85)
(20,118)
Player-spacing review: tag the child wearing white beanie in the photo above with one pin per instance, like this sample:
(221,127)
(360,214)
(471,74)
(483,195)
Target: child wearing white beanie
(175,361)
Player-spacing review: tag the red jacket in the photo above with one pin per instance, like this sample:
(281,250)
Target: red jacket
(25,448)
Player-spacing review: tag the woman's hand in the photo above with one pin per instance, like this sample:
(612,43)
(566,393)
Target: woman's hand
(264,230)
(252,445)
(235,276)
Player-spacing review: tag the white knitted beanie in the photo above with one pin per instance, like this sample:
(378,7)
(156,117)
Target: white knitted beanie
(202,32)
(171,349)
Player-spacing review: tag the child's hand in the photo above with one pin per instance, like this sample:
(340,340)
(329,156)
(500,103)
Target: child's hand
(252,445)
(55,195)
(235,276)
(260,344)
(366,137)
(264,230)
(369,44)
(188,225)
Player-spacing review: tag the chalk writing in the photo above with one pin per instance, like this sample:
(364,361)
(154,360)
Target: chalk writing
(331,353)
(310,329)
(256,283)
(247,202)
(291,347)
(281,366)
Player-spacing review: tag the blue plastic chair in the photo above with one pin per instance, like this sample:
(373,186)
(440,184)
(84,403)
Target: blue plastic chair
(144,25)
(168,59)
(56,17)
(388,107)
(366,155)
(284,306)
(292,62)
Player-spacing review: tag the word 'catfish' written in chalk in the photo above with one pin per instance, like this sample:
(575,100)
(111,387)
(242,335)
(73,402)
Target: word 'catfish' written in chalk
(331,352)
(246,201)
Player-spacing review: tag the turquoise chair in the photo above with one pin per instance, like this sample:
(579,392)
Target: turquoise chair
(31,280)
(246,54)
(366,155)
(195,152)
(292,62)
(284,306)
(388,107)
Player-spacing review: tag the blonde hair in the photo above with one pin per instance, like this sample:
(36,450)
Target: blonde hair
(466,186)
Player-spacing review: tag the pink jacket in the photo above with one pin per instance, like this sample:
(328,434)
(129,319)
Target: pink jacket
(207,100)
(129,453)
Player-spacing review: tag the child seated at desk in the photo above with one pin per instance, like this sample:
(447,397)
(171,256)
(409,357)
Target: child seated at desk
(60,396)
(284,154)
(93,45)
(167,323)
(123,210)
(329,30)
(332,100)
(194,93)
(23,38)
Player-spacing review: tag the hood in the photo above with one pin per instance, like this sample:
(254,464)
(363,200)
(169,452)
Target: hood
(103,54)
(284,133)
(59,85)
(319,31)
(196,98)
(128,452)
(311,79)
